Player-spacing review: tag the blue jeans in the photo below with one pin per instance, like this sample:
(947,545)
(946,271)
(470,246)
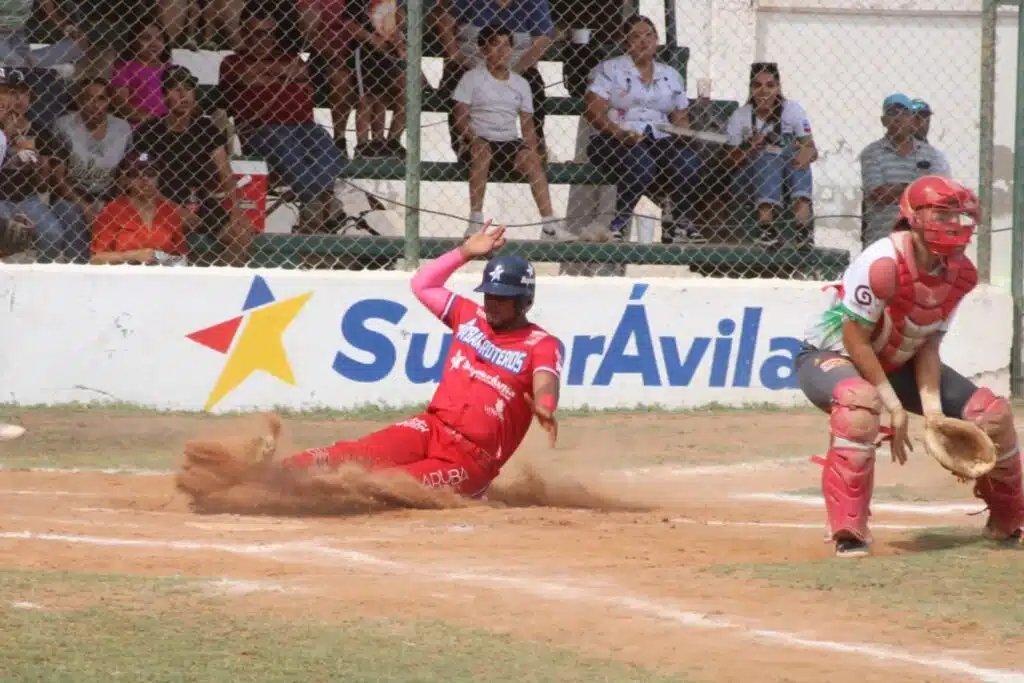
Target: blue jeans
(764,179)
(651,167)
(73,237)
(303,155)
(49,230)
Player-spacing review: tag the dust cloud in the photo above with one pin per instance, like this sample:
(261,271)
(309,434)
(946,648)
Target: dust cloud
(233,474)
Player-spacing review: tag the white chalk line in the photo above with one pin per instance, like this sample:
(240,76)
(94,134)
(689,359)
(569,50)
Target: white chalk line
(698,470)
(791,525)
(947,508)
(47,492)
(660,470)
(72,522)
(121,471)
(319,554)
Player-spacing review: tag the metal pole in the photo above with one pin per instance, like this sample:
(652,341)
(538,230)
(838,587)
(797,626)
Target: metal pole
(413,99)
(1017,240)
(986,135)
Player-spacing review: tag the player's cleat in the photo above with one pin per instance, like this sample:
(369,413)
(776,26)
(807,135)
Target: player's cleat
(1015,538)
(851,547)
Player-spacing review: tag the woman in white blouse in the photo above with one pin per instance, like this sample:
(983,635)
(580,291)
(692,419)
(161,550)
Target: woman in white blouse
(628,98)
(768,118)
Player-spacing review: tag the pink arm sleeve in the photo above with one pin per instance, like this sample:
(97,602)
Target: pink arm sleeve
(428,282)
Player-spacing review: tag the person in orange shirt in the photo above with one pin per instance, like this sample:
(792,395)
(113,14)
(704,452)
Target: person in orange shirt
(140,226)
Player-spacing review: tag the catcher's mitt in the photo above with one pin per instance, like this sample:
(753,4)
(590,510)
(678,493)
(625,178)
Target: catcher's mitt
(961,446)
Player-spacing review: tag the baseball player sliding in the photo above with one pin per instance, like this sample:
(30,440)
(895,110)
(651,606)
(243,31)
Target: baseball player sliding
(877,346)
(501,370)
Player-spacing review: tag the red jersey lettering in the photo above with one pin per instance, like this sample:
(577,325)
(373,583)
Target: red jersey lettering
(486,376)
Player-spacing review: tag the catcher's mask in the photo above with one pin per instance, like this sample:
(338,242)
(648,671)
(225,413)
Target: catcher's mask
(509,276)
(943,212)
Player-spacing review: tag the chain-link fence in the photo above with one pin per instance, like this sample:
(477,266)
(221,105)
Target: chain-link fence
(724,138)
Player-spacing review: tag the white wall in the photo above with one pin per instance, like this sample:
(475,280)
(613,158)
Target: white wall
(343,340)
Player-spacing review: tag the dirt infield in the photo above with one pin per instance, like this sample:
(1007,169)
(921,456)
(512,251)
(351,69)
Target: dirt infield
(726,579)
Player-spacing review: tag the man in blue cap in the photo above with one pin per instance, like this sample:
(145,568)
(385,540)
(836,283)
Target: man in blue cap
(922,118)
(889,164)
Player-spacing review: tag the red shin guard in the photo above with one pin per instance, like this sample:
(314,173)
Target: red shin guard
(1002,489)
(848,473)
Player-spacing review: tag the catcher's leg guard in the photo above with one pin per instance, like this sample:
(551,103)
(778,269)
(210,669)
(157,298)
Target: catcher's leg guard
(849,467)
(1002,489)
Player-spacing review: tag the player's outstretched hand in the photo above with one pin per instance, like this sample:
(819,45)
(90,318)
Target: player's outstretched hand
(483,242)
(546,419)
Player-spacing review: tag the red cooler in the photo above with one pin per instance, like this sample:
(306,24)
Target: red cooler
(251,184)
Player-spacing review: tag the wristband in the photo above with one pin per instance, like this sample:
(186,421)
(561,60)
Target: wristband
(548,402)
(931,402)
(889,398)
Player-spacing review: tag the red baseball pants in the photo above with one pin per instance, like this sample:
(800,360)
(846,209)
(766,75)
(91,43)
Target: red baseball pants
(422,446)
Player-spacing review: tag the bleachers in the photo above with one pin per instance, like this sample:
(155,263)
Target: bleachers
(731,254)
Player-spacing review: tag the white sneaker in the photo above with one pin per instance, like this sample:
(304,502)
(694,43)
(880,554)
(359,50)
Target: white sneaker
(553,230)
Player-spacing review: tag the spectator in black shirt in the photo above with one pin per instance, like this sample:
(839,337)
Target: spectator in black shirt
(196,171)
(34,158)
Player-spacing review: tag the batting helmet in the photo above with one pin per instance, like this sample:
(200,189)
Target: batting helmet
(511,276)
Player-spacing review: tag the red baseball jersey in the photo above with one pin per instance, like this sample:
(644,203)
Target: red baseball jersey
(487,374)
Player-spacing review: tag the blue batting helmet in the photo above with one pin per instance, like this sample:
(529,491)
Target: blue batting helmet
(509,275)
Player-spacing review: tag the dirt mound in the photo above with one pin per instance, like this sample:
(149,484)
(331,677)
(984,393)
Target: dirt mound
(237,474)
(534,488)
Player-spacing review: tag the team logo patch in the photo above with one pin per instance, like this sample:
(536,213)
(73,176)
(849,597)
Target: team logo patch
(833,363)
(863,295)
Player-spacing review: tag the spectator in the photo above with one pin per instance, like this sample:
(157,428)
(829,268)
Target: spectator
(96,141)
(32,158)
(269,94)
(195,166)
(138,96)
(764,177)
(488,102)
(329,35)
(139,226)
(378,62)
(627,100)
(922,118)
(922,123)
(15,49)
(222,24)
(891,163)
(459,23)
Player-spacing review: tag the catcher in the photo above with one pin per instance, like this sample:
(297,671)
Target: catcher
(877,346)
(501,370)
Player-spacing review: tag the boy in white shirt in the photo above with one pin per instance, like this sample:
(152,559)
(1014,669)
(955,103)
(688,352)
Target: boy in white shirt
(488,102)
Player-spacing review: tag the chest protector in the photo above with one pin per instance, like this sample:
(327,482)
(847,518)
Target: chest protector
(919,303)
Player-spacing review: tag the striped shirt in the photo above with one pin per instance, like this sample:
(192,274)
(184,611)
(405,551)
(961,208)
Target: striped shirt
(881,164)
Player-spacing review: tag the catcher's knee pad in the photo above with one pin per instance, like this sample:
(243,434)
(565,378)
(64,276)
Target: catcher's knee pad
(993,414)
(848,474)
(856,411)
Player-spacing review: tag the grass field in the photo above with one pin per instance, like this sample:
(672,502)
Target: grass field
(108,575)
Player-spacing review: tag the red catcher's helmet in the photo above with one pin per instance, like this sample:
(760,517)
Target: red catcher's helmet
(943,211)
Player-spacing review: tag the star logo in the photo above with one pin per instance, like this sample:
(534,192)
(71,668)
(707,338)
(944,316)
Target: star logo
(255,345)
(497,273)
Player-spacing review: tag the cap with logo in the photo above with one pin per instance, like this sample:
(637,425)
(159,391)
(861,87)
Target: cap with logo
(920,107)
(508,275)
